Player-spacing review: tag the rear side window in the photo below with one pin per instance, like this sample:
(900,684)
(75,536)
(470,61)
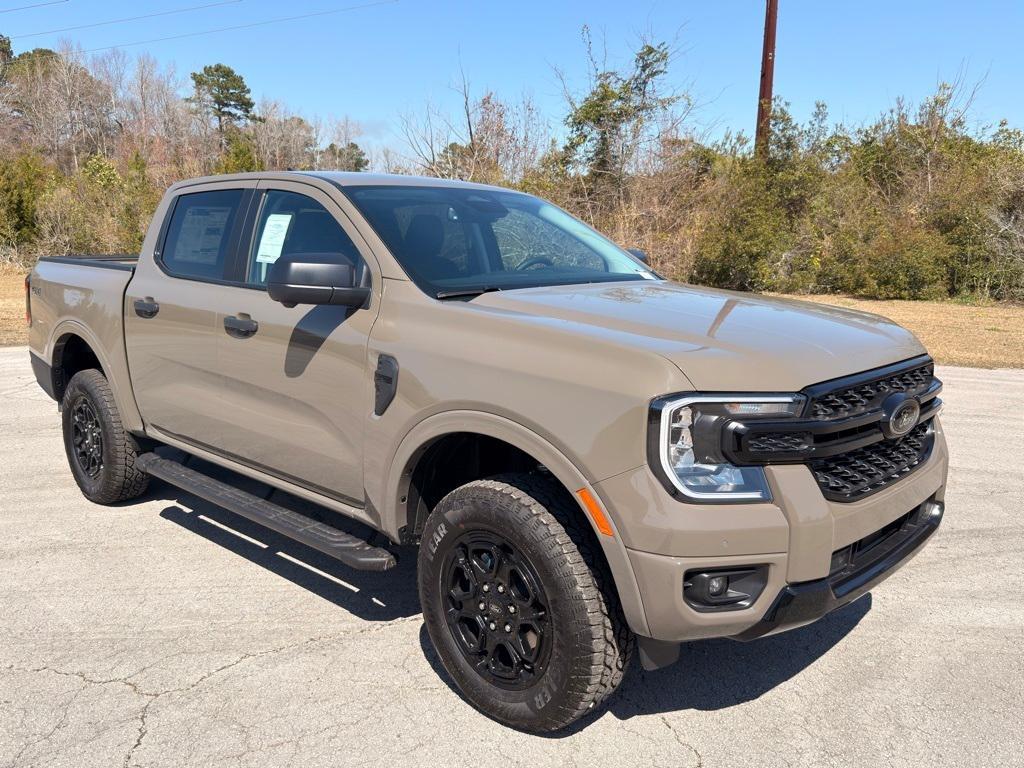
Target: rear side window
(199,234)
(290,223)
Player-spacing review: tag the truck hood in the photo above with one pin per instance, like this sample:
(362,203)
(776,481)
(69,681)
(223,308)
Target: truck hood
(720,340)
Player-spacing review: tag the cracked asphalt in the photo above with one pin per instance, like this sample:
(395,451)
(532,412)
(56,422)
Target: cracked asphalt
(168,632)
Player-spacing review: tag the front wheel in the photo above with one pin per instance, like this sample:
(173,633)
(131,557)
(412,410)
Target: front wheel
(519,603)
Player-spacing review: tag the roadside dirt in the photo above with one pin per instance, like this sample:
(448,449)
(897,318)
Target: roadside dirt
(12,308)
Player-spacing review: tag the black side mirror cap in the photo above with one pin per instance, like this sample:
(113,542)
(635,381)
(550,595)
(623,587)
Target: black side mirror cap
(316,278)
(639,254)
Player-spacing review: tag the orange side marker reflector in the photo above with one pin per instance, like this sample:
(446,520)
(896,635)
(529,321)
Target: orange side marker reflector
(595,511)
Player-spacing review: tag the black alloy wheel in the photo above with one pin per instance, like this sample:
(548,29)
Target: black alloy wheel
(87,437)
(101,452)
(496,609)
(519,603)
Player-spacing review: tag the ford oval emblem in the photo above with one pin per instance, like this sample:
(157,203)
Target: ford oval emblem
(901,415)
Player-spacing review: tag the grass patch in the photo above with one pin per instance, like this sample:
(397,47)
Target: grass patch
(12,307)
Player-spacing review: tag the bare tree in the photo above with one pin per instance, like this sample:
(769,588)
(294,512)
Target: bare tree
(491,140)
(282,139)
(427,134)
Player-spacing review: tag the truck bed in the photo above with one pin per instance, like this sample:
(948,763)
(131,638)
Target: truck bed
(82,297)
(123,261)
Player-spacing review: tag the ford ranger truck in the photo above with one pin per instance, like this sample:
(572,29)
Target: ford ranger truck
(592,460)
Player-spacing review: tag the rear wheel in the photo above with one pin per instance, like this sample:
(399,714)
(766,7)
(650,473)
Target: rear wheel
(519,603)
(100,452)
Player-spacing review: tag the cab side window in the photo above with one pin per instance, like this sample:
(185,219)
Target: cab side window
(199,234)
(290,223)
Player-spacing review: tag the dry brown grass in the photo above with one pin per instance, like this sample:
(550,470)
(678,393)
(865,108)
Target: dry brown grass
(12,307)
(955,334)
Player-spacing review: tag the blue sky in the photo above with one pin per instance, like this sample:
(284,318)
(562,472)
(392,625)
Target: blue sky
(374,62)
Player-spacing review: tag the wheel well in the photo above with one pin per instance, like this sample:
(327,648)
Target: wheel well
(71,354)
(453,460)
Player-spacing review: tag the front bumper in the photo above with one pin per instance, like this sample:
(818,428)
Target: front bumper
(805,602)
(794,538)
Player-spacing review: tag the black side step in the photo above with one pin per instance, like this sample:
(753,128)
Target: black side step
(342,546)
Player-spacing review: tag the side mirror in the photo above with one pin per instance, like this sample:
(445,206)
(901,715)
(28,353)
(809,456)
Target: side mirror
(639,254)
(315,278)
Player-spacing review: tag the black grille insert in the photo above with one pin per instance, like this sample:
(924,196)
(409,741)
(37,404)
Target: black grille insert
(862,397)
(864,471)
(771,442)
(843,432)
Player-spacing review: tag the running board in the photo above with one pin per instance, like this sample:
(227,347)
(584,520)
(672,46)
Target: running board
(349,549)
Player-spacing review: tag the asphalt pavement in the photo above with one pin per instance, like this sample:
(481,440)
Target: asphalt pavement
(167,632)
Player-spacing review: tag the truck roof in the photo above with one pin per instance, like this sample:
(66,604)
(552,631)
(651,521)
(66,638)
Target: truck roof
(341,179)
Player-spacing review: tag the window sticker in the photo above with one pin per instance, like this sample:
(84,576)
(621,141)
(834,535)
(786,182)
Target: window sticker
(201,233)
(272,240)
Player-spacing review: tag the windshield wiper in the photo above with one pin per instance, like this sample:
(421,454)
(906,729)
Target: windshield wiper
(463,292)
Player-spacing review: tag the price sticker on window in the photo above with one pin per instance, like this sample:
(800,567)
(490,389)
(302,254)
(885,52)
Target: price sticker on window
(272,240)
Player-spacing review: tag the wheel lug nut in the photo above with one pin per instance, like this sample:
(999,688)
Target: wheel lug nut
(511,609)
(508,627)
(482,606)
(501,588)
(492,626)
(487,587)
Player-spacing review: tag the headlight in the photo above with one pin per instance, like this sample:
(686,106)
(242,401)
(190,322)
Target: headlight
(686,444)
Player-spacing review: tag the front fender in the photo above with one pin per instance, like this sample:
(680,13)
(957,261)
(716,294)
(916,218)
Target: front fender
(421,436)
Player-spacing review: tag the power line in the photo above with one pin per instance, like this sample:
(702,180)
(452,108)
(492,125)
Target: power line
(34,5)
(242,26)
(126,18)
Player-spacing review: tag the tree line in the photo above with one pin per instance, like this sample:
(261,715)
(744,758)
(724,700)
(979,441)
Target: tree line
(918,203)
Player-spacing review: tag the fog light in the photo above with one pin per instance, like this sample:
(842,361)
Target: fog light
(717,585)
(724,590)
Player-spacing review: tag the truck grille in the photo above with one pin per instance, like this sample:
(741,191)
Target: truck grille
(867,396)
(852,475)
(776,442)
(842,433)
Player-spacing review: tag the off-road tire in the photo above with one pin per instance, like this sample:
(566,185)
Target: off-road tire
(590,643)
(117,479)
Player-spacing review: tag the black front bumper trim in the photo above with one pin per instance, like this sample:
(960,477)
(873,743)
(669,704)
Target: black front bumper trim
(807,601)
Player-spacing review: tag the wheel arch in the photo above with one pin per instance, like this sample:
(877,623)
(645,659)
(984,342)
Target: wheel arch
(404,507)
(71,354)
(71,337)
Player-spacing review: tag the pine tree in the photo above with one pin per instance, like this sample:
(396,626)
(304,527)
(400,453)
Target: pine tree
(223,92)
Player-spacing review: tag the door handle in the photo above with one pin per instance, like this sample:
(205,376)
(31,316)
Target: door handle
(240,327)
(146,307)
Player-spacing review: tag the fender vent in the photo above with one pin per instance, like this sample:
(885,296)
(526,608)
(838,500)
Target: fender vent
(385,383)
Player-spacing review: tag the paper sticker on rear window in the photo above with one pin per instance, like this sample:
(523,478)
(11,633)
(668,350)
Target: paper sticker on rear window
(272,240)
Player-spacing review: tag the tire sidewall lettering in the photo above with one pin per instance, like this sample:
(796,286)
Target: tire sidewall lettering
(437,536)
(547,689)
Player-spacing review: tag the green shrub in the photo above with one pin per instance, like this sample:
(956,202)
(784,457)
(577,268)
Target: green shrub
(907,262)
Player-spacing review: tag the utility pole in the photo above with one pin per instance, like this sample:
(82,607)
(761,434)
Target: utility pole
(764,98)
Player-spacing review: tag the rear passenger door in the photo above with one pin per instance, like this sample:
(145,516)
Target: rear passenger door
(171,311)
(296,387)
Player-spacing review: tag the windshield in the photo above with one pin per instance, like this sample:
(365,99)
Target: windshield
(460,242)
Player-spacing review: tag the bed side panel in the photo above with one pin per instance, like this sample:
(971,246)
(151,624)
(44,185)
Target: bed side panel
(84,300)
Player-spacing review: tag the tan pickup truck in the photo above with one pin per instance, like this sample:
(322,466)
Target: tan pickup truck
(590,458)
